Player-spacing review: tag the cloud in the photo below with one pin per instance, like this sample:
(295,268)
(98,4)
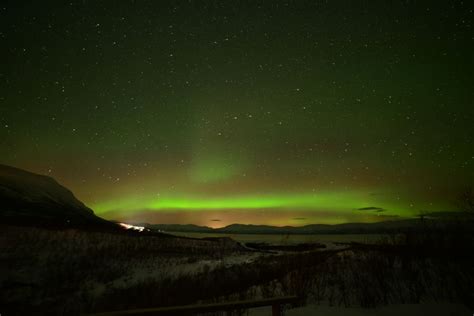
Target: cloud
(215,220)
(372,208)
(298,218)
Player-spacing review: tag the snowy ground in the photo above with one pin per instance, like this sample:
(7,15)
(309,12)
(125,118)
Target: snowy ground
(425,309)
(179,267)
(118,272)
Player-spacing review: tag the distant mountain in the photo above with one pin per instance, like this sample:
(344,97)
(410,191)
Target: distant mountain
(190,228)
(348,228)
(31,199)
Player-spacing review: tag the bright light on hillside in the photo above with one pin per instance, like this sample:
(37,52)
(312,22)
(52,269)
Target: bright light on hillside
(128,226)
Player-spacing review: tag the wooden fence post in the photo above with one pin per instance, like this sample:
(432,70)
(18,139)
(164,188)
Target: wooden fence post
(276,309)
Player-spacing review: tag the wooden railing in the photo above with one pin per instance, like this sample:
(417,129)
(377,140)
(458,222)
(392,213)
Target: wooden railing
(276,304)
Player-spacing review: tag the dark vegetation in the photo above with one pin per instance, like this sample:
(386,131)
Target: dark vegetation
(62,271)
(289,248)
(72,272)
(78,263)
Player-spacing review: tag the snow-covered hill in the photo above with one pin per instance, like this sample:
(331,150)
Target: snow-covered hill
(29,198)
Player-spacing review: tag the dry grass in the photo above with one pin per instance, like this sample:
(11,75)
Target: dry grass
(71,272)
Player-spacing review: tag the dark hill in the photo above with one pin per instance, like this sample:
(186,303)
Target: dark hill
(31,199)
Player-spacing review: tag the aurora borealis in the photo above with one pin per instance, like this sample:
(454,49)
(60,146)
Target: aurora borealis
(263,112)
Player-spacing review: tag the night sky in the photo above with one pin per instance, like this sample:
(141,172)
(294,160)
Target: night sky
(263,112)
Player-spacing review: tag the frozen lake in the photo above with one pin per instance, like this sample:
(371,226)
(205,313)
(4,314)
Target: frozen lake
(289,239)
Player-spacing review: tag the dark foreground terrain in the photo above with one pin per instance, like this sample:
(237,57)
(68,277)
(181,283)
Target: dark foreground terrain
(72,271)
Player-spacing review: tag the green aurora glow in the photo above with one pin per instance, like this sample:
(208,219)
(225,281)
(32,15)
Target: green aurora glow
(255,112)
(323,201)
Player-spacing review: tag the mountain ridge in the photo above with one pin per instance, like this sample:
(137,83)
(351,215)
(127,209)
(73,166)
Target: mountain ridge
(392,226)
(28,198)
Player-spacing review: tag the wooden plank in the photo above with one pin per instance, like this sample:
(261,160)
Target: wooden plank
(275,302)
